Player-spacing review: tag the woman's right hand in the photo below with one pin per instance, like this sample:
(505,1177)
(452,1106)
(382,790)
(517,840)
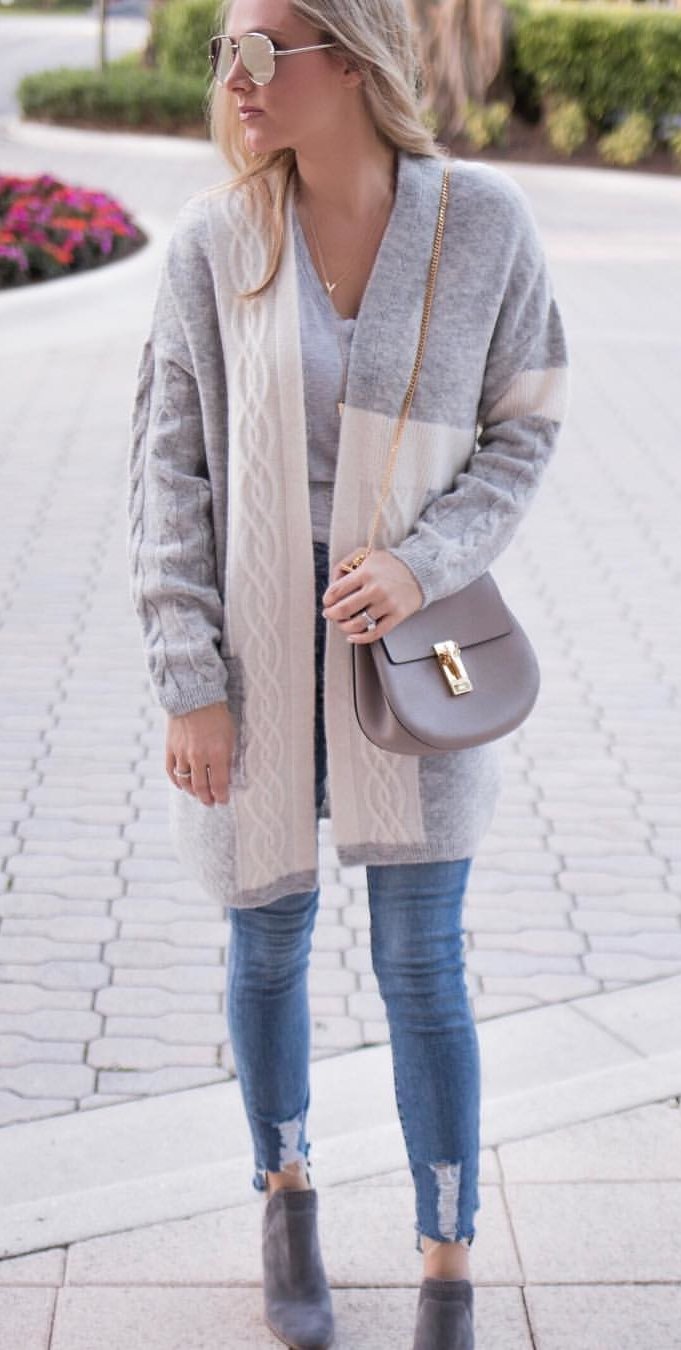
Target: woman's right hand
(203,741)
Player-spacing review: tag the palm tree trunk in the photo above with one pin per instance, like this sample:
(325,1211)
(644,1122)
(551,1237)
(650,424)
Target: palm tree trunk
(462,46)
(102,34)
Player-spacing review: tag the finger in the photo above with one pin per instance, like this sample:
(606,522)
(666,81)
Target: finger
(344,583)
(335,574)
(339,592)
(347,607)
(358,622)
(218,778)
(186,784)
(383,626)
(201,785)
(173,769)
(171,765)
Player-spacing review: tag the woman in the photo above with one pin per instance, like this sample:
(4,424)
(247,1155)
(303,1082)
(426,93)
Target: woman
(282,341)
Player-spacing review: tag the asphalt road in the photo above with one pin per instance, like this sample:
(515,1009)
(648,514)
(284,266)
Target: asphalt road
(35,42)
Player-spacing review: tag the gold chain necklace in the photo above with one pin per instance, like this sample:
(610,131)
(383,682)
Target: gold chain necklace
(330,287)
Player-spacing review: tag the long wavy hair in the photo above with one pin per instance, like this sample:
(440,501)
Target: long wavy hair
(382,43)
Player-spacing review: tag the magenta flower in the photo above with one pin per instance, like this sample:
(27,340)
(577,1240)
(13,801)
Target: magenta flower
(49,228)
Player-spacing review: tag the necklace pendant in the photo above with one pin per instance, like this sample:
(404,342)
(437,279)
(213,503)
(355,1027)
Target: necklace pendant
(331,286)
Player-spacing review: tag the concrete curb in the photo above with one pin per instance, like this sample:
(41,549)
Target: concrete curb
(27,298)
(25,132)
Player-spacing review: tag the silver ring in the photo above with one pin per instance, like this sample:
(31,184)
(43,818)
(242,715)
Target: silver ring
(179,774)
(371,623)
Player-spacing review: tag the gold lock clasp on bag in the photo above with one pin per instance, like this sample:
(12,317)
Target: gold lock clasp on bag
(449,657)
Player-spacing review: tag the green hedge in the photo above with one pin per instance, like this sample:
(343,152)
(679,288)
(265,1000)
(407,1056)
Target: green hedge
(47,7)
(124,94)
(180,31)
(608,57)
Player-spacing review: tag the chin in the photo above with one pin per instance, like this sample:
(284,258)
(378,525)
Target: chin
(264,141)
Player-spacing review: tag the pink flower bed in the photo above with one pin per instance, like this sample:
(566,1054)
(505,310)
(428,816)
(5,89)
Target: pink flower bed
(50,229)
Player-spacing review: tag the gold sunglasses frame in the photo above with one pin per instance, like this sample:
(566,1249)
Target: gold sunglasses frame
(236,47)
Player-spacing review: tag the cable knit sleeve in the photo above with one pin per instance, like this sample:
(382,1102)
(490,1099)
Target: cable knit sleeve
(521,408)
(170,541)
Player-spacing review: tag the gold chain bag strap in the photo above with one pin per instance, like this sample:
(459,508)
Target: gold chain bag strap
(458,672)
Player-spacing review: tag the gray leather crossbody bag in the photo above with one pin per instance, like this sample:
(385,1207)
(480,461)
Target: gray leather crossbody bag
(460,671)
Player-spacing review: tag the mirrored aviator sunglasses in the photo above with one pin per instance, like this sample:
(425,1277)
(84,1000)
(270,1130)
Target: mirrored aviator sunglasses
(257,52)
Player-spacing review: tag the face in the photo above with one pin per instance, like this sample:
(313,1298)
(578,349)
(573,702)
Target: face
(305,101)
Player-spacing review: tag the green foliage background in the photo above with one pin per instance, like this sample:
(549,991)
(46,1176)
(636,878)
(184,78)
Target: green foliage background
(614,59)
(609,57)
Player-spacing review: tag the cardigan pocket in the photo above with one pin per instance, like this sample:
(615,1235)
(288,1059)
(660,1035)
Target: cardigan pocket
(236,702)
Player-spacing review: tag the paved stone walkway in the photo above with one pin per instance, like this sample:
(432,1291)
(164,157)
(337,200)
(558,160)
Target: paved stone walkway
(139,1224)
(112,979)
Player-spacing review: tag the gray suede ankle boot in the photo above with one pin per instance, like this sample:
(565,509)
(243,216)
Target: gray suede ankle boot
(444,1319)
(297,1297)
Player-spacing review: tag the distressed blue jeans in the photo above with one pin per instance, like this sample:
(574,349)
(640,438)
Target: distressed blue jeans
(418,959)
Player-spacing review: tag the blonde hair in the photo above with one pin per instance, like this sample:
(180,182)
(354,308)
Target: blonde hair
(382,44)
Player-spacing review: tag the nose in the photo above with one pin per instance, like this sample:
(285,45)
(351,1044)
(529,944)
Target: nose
(238,77)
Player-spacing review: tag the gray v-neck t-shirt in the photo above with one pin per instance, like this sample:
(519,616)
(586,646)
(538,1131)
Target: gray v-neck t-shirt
(322,330)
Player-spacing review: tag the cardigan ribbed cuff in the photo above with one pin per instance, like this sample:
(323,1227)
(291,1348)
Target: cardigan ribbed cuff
(195,696)
(421,564)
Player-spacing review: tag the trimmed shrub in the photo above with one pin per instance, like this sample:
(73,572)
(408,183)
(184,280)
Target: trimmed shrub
(567,126)
(180,30)
(123,94)
(47,6)
(609,57)
(486,123)
(667,127)
(630,142)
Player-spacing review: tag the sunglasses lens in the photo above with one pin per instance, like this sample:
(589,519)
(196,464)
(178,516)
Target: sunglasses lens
(221,58)
(256,54)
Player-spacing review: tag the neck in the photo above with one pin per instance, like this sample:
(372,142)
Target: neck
(348,180)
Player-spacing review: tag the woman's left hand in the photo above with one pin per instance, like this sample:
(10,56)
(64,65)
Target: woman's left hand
(382,584)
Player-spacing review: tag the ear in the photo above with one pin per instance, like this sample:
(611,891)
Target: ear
(352,77)
(349,72)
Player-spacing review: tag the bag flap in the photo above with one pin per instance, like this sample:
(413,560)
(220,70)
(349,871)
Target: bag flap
(475,614)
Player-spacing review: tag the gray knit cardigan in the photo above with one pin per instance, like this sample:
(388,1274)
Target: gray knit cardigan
(220,539)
